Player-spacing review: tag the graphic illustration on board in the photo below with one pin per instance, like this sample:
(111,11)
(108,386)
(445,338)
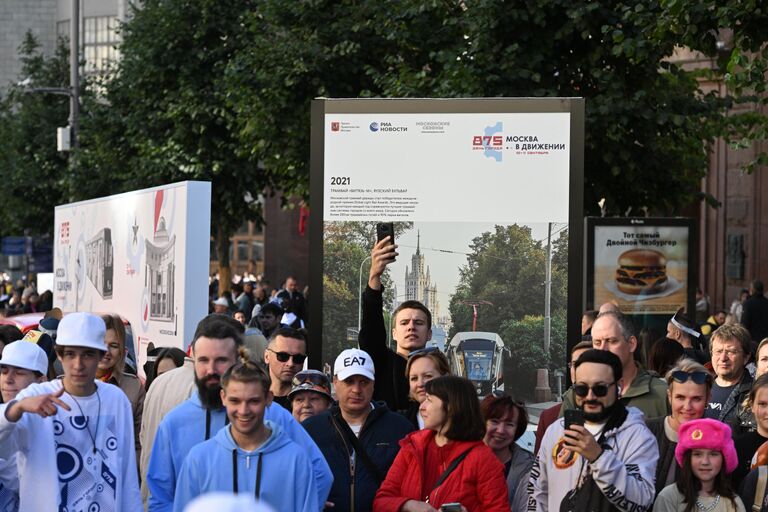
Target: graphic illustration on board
(159,277)
(100,262)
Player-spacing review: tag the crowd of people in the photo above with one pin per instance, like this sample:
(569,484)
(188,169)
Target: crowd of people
(681,426)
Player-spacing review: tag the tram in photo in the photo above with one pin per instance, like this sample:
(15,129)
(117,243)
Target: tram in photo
(479,357)
(100,262)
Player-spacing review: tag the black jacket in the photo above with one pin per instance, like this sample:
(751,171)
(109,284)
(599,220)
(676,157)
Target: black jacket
(391,383)
(666,451)
(354,487)
(755,317)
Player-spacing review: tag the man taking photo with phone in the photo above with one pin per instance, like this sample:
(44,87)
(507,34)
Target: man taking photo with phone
(411,330)
(605,458)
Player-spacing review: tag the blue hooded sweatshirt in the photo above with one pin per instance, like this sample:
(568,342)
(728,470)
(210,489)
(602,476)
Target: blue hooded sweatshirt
(285,482)
(185,427)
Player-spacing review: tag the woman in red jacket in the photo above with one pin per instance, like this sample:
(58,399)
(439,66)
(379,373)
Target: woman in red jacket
(419,479)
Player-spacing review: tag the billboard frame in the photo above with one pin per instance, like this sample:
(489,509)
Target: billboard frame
(324,106)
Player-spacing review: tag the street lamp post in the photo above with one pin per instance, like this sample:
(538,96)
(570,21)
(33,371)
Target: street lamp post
(360,293)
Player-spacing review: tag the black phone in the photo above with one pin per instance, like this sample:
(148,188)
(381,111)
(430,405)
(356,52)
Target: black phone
(573,417)
(451,507)
(384,230)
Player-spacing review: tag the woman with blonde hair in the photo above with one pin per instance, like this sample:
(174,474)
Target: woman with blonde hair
(423,365)
(689,385)
(112,370)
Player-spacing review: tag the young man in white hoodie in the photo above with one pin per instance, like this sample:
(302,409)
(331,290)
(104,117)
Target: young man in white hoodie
(73,437)
(606,463)
(251,455)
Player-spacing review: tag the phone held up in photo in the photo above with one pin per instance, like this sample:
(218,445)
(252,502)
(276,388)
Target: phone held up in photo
(384,230)
(573,417)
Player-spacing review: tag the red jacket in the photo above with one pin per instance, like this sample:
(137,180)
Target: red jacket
(477,482)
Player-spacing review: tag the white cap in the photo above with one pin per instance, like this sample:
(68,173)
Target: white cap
(82,330)
(221,301)
(354,361)
(26,355)
(226,502)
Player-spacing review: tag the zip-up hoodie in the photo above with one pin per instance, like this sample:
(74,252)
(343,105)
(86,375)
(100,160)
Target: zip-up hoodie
(624,471)
(185,427)
(280,466)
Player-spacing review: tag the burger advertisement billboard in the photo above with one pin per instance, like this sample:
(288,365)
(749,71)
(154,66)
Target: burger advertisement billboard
(643,265)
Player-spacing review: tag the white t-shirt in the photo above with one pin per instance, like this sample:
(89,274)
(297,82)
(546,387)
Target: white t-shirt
(57,453)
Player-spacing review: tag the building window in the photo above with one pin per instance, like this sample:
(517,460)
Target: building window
(100,40)
(242,250)
(257,248)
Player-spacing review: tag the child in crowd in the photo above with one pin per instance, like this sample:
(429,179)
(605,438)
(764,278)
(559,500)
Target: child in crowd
(706,455)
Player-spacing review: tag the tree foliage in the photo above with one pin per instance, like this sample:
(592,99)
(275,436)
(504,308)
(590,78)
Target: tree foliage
(507,268)
(34,176)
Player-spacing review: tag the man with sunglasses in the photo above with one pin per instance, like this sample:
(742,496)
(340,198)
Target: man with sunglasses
(215,348)
(731,346)
(613,332)
(411,330)
(604,460)
(285,357)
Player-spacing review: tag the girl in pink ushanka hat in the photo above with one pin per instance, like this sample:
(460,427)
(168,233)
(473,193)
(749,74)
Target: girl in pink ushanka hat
(706,456)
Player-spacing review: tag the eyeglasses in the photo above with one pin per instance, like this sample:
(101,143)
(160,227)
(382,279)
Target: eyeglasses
(600,390)
(423,351)
(696,377)
(314,377)
(284,356)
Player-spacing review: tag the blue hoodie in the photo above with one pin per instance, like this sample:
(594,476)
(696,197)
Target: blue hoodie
(286,482)
(185,426)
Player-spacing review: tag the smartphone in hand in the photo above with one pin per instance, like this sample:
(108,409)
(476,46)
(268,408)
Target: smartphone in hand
(384,230)
(451,507)
(573,417)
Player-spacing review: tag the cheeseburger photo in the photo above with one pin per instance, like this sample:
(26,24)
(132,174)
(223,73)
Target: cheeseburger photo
(642,272)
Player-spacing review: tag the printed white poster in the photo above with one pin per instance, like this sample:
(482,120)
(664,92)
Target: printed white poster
(143,255)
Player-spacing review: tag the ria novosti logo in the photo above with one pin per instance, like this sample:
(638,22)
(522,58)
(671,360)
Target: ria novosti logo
(374,126)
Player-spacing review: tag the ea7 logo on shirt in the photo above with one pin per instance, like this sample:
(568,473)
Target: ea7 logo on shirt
(354,360)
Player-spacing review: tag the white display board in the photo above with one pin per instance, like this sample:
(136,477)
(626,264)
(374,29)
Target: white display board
(143,254)
(508,167)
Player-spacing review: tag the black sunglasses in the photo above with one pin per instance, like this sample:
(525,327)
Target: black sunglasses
(284,356)
(314,377)
(697,377)
(422,351)
(600,390)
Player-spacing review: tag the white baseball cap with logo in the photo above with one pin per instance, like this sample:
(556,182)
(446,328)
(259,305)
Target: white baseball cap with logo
(26,355)
(82,330)
(354,361)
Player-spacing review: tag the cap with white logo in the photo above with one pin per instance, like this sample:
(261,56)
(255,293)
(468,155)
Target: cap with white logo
(353,361)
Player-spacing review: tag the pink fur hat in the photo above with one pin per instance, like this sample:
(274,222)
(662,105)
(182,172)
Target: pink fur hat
(707,434)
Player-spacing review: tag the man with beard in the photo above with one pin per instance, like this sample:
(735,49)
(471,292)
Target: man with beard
(215,347)
(606,464)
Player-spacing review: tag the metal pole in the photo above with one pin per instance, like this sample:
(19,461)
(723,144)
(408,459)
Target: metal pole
(548,293)
(74,72)
(360,294)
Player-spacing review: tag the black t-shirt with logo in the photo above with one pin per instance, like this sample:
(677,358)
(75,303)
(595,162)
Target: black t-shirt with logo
(717,401)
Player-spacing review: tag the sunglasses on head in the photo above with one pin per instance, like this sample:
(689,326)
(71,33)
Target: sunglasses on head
(599,390)
(697,377)
(314,377)
(422,351)
(284,356)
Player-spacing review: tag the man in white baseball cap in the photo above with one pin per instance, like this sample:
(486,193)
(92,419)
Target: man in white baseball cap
(23,363)
(357,433)
(83,452)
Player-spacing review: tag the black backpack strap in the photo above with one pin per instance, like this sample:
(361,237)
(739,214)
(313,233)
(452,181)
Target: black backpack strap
(454,464)
(344,429)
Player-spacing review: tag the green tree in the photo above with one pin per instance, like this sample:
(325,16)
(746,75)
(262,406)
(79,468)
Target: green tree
(507,268)
(168,116)
(524,338)
(34,175)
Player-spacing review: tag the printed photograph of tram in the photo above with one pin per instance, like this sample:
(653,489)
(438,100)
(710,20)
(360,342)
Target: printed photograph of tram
(100,262)
(479,357)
